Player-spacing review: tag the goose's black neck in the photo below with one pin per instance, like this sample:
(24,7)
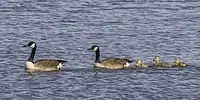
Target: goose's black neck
(97,60)
(31,57)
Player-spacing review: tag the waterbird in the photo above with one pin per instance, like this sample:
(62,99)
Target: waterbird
(178,63)
(109,63)
(42,64)
(139,63)
(157,63)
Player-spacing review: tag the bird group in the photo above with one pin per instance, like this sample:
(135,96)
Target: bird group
(157,63)
(109,63)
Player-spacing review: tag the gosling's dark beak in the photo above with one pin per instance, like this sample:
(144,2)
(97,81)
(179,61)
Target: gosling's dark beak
(25,45)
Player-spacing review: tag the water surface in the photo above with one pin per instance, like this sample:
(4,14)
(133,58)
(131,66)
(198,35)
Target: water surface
(122,28)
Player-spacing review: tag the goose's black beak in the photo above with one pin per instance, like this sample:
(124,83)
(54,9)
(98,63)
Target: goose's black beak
(89,49)
(25,45)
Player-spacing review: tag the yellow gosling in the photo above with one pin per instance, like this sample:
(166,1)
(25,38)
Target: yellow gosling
(157,63)
(139,63)
(178,63)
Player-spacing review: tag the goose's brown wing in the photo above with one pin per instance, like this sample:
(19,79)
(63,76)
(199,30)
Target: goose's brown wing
(48,64)
(115,63)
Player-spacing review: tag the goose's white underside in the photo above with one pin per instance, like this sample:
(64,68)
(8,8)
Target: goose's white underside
(99,65)
(30,66)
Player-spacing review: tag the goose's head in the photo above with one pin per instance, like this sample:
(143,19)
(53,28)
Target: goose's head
(94,48)
(30,44)
(156,60)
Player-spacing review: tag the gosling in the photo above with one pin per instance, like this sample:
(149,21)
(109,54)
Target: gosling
(140,63)
(157,63)
(178,63)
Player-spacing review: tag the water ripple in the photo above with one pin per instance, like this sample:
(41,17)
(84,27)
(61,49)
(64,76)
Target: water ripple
(122,28)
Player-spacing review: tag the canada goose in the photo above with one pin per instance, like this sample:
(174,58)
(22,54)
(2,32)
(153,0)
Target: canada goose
(43,64)
(140,63)
(178,63)
(110,63)
(157,63)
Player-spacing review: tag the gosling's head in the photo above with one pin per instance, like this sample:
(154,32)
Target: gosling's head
(177,61)
(138,61)
(94,48)
(156,60)
(30,44)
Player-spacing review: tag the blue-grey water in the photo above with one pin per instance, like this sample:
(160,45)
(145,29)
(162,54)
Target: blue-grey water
(65,29)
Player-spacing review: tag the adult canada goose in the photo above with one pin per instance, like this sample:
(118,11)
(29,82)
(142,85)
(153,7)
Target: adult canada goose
(157,63)
(43,64)
(140,63)
(178,63)
(110,63)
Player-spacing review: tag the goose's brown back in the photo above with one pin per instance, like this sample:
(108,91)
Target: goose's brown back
(114,63)
(48,64)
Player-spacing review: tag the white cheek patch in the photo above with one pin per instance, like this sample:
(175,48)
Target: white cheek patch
(33,45)
(59,66)
(95,49)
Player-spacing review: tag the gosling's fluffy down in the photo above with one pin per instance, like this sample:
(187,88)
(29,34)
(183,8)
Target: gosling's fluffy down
(178,63)
(140,63)
(157,63)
